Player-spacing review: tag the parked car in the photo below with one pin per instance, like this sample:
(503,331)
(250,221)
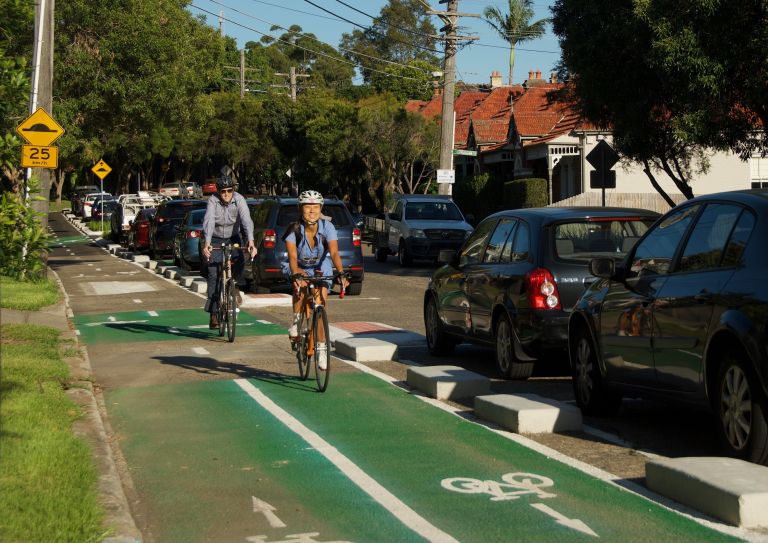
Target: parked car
(76,199)
(193,189)
(272,215)
(209,187)
(103,209)
(685,317)
(186,251)
(418,226)
(90,199)
(516,278)
(165,222)
(138,235)
(130,204)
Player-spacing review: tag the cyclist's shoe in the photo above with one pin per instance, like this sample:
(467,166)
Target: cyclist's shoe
(293,331)
(322,356)
(239,298)
(214,322)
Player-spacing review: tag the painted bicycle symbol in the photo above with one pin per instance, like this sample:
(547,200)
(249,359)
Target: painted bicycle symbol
(513,486)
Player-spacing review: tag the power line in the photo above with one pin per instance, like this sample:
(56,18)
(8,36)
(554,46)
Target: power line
(408,30)
(337,59)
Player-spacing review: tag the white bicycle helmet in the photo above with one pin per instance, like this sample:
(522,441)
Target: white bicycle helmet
(310,197)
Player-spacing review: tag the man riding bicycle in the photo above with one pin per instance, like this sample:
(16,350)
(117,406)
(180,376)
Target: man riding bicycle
(226,216)
(312,244)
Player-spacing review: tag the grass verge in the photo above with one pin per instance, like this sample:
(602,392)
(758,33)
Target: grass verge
(48,481)
(27,295)
(96,227)
(56,206)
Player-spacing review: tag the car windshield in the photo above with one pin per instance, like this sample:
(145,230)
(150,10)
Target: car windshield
(337,213)
(432,211)
(609,236)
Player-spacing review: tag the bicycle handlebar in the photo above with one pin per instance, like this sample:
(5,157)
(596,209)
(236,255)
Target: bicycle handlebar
(315,280)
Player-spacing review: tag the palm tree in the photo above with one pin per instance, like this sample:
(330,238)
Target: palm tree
(515,27)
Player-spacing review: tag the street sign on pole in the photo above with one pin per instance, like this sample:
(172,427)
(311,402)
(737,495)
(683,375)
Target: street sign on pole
(446,176)
(602,157)
(101,169)
(37,156)
(40,129)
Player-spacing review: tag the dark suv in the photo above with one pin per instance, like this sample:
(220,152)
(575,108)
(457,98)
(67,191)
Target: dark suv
(684,317)
(272,216)
(514,281)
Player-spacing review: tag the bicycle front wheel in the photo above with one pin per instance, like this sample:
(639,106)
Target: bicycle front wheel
(303,345)
(231,310)
(320,329)
(222,308)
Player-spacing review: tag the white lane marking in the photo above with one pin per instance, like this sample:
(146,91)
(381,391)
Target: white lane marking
(264,322)
(77,332)
(137,301)
(111,318)
(268,510)
(98,269)
(200,326)
(152,313)
(113,322)
(365,482)
(91,264)
(200,350)
(572,523)
(174,330)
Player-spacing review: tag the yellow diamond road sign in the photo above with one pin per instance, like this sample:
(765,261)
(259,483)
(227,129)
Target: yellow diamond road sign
(40,129)
(101,169)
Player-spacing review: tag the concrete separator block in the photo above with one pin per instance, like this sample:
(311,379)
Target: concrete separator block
(448,382)
(187,280)
(150,264)
(140,258)
(528,413)
(113,247)
(729,489)
(161,269)
(172,272)
(199,286)
(365,349)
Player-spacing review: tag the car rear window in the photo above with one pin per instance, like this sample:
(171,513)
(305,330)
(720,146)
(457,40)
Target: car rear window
(585,239)
(178,211)
(197,217)
(338,214)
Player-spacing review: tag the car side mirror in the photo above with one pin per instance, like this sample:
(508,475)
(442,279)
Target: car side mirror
(446,256)
(603,268)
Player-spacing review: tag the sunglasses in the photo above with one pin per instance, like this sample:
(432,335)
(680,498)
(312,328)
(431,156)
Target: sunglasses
(226,191)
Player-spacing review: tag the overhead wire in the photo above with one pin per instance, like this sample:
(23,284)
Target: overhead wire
(338,59)
(402,29)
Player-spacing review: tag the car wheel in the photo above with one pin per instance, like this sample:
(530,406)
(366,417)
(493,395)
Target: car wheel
(354,289)
(438,342)
(741,410)
(380,253)
(402,255)
(591,394)
(262,289)
(509,366)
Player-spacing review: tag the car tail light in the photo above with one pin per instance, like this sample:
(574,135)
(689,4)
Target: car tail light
(270,239)
(193,234)
(356,237)
(356,268)
(160,220)
(542,289)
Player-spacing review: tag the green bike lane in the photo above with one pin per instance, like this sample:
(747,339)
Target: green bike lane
(267,458)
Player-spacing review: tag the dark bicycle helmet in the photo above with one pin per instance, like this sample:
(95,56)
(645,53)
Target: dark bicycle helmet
(225,182)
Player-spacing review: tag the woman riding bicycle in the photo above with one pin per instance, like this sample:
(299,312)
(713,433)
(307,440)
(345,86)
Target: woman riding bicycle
(312,245)
(226,216)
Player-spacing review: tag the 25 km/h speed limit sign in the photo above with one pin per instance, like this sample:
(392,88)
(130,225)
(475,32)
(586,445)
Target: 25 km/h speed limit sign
(37,156)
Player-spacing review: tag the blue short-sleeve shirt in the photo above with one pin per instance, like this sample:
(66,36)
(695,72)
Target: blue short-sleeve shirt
(309,258)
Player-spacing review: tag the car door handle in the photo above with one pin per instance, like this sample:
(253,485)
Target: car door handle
(703,296)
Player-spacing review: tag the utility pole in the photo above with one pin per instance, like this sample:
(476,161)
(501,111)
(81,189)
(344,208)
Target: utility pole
(450,17)
(42,93)
(292,79)
(242,80)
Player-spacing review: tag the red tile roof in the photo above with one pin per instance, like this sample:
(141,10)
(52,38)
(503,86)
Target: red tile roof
(488,131)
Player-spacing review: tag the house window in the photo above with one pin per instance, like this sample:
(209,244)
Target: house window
(758,172)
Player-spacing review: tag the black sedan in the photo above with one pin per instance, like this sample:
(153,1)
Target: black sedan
(514,281)
(684,316)
(165,222)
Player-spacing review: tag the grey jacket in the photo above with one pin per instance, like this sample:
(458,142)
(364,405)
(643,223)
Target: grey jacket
(222,220)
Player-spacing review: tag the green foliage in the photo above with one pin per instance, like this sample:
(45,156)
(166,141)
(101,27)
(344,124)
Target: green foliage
(48,483)
(521,193)
(481,195)
(22,238)
(412,82)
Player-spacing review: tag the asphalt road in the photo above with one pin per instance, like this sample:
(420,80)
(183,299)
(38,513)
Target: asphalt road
(223,442)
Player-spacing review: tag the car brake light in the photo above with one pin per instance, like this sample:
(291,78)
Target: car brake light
(356,237)
(193,234)
(270,239)
(542,289)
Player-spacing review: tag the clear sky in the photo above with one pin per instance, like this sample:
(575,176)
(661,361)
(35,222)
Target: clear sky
(244,19)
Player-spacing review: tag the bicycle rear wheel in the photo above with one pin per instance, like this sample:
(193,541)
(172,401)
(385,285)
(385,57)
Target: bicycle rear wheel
(301,348)
(222,309)
(231,309)
(320,322)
